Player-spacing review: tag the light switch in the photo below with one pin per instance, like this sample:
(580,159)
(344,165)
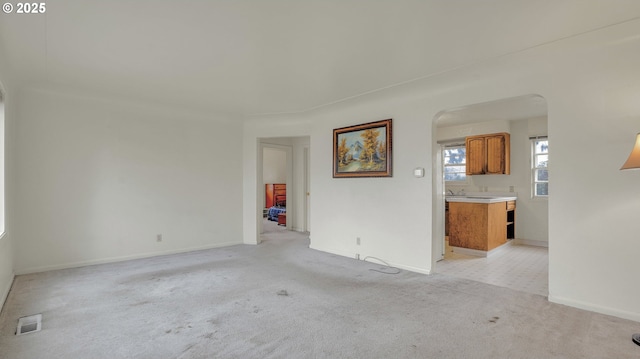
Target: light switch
(418,172)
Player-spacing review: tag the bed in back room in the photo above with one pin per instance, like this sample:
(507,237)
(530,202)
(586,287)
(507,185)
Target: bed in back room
(275,200)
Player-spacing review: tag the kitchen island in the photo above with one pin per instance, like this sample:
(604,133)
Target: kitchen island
(480,224)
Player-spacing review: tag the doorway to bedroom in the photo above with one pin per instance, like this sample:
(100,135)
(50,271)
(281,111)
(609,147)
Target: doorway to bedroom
(284,186)
(274,178)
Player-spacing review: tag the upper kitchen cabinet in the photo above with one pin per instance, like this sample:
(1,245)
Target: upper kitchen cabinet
(488,154)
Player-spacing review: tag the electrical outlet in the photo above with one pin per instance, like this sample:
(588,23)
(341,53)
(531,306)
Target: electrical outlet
(358,256)
(358,240)
(159,238)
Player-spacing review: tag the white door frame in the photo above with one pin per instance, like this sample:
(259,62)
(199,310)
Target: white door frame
(307,189)
(438,205)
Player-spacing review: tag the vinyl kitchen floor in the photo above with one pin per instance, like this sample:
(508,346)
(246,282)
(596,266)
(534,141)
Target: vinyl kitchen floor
(519,267)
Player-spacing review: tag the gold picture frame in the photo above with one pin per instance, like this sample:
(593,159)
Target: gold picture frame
(363,150)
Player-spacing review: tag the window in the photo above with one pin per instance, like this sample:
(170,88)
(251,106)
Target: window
(540,167)
(454,157)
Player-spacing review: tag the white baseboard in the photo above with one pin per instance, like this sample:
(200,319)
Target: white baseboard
(479,253)
(531,242)
(362,256)
(595,308)
(469,251)
(28,270)
(333,251)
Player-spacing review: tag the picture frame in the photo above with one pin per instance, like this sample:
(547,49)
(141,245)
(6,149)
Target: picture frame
(363,150)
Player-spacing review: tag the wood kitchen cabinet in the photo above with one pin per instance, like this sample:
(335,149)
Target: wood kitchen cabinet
(481,226)
(446,218)
(511,219)
(488,154)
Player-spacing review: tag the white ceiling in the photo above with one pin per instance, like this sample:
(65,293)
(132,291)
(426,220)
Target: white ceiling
(511,109)
(246,57)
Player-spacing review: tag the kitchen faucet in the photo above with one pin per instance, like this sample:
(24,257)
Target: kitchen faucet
(459,193)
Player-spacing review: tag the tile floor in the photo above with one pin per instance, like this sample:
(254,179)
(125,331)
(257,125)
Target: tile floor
(519,267)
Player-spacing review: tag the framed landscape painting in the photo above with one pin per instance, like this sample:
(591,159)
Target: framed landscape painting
(362,150)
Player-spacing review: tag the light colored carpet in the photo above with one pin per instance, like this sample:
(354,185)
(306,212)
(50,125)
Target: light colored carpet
(281,299)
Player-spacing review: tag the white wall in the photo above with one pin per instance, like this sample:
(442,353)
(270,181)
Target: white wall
(532,215)
(6,250)
(391,216)
(591,83)
(6,268)
(7,116)
(98,180)
(298,188)
(274,167)
(446,133)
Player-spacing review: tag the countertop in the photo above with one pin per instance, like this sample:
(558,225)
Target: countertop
(480,199)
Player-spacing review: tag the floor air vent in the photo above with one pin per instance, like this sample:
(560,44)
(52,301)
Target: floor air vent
(30,324)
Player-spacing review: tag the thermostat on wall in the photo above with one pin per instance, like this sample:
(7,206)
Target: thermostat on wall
(418,172)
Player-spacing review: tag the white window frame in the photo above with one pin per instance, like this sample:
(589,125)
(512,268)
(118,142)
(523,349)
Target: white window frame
(534,168)
(444,166)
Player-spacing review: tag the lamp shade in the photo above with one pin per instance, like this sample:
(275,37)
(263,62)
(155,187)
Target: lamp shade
(634,158)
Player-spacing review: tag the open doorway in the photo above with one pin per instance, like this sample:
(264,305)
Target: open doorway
(520,263)
(285,186)
(274,178)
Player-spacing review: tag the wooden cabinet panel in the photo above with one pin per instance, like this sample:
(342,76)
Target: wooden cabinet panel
(475,158)
(480,226)
(497,154)
(497,225)
(511,219)
(488,154)
(468,224)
